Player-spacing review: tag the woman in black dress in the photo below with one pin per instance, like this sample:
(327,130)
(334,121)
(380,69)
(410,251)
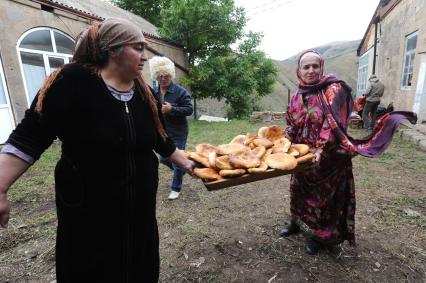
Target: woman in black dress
(109,123)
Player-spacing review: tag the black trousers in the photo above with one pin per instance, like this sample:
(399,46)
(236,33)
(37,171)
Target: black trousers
(370,109)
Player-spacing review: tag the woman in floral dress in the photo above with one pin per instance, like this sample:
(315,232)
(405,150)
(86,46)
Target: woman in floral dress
(322,202)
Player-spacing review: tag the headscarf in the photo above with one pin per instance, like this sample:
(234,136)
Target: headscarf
(110,34)
(324,80)
(304,55)
(334,100)
(92,49)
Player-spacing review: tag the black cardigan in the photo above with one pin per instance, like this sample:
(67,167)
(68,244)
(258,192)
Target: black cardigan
(106,180)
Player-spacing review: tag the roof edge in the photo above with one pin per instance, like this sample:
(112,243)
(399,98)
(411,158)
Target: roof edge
(377,16)
(95,17)
(372,21)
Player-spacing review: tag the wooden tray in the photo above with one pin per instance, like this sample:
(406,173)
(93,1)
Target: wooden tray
(248,178)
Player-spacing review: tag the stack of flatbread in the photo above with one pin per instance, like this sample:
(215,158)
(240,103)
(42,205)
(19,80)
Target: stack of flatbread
(250,153)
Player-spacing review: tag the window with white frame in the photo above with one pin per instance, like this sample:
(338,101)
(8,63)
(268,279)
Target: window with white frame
(41,51)
(362,73)
(410,52)
(6,116)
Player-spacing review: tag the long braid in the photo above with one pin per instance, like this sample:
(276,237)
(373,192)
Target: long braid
(92,51)
(93,46)
(46,85)
(146,92)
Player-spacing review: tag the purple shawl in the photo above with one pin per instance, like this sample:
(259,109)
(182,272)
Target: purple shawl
(335,96)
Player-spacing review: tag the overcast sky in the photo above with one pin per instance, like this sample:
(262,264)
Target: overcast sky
(290,26)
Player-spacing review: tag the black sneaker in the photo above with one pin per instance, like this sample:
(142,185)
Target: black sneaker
(290,229)
(312,247)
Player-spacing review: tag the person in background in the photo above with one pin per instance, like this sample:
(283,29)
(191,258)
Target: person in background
(373,94)
(176,106)
(322,199)
(109,123)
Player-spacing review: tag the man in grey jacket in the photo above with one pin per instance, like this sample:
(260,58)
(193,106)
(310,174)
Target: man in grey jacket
(373,94)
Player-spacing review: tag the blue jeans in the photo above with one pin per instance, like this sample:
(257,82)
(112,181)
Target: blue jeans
(177,171)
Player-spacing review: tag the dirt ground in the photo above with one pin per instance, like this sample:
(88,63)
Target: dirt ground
(232,235)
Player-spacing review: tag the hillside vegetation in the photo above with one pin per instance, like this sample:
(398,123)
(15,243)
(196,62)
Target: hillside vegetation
(340,59)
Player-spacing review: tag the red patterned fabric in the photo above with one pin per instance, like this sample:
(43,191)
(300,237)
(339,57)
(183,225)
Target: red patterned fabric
(359,103)
(323,198)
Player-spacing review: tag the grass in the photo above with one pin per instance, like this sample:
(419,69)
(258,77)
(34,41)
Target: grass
(211,224)
(386,157)
(422,162)
(218,132)
(38,181)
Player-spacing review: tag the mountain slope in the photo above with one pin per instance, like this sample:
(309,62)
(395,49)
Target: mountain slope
(340,59)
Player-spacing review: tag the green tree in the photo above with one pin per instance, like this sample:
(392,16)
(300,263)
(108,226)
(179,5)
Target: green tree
(203,27)
(206,29)
(147,9)
(240,78)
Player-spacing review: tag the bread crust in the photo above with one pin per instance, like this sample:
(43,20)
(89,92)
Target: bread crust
(262,168)
(197,157)
(226,149)
(263,142)
(282,161)
(246,159)
(207,174)
(232,173)
(301,148)
(204,149)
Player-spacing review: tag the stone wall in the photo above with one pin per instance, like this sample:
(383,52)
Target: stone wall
(266,116)
(407,17)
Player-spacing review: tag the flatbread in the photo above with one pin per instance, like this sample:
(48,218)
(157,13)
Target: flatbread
(261,132)
(204,149)
(239,139)
(267,153)
(274,133)
(249,138)
(263,142)
(208,174)
(232,173)
(222,162)
(279,149)
(212,160)
(259,151)
(246,159)
(301,148)
(226,149)
(282,161)
(293,151)
(262,168)
(309,157)
(199,158)
(282,145)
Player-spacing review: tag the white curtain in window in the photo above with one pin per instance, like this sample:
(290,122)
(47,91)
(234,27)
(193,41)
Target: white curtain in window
(6,125)
(2,93)
(34,77)
(39,53)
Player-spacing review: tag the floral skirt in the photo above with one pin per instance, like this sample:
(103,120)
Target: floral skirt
(322,201)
